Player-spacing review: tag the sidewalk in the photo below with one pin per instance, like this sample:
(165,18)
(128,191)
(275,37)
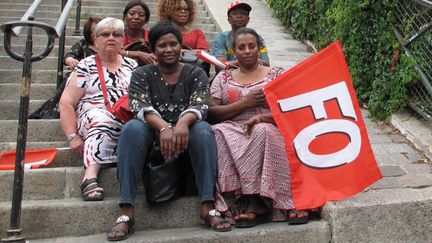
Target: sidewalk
(396,208)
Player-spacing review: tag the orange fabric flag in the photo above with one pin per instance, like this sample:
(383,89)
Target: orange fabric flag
(317,112)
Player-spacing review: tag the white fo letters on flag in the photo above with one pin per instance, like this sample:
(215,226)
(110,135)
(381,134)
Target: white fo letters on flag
(315,100)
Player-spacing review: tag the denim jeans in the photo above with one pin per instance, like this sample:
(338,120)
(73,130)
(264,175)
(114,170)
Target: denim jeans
(136,140)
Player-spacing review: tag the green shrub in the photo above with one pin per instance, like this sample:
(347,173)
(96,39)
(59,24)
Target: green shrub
(379,69)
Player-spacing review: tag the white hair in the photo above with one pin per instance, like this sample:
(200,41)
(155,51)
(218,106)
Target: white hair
(111,24)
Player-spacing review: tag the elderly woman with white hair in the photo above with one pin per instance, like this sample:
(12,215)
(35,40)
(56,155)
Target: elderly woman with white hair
(92,130)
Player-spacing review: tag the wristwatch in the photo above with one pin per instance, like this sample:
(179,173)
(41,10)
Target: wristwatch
(71,136)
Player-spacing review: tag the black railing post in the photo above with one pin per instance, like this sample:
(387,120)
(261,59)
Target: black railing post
(77,31)
(61,52)
(14,233)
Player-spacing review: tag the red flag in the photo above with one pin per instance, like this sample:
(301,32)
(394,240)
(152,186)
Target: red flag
(316,110)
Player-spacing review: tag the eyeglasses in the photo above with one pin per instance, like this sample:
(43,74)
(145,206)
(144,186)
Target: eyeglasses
(180,9)
(107,34)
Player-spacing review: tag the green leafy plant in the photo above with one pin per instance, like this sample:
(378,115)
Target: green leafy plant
(380,71)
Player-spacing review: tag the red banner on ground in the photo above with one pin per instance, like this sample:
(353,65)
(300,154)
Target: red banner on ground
(316,110)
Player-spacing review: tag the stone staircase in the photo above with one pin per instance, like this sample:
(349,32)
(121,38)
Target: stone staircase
(395,209)
(52,205)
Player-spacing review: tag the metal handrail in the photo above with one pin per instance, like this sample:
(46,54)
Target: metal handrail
(425,3)
(62,41)
(8,29)
(77,19)
(30,12)
(14,28)
(61,23)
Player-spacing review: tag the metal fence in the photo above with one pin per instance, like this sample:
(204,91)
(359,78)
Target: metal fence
(414,32)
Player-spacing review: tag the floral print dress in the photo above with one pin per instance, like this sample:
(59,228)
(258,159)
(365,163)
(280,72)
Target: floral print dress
(149,93)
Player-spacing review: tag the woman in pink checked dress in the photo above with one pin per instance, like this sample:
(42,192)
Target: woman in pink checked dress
(253,173)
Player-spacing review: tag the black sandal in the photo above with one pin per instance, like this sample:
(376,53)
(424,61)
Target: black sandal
(260,218)
(296,219)
(116,229)
(314,214)
(206,221)
(89,186)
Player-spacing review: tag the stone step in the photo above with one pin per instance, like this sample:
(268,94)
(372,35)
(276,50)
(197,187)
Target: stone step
(37,91)
(41,38)
(10,109)
(53,17)
(10,146)
(387,215)
(270,232)
(117,6)
(57,2)
(74,217)
(14,76)
(25,6)
(84,2)
(38,130)
(86,11)
(121,4)
(46,63)
(37,49)
(63,158)
(58,183)
(40,41)
(70,31)
(204,24)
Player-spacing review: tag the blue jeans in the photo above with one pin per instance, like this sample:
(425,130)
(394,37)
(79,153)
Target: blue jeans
(136,141)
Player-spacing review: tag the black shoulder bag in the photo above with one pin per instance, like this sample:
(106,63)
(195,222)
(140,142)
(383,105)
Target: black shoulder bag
(191,57)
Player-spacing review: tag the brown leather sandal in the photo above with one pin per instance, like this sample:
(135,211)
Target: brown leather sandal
(89,186)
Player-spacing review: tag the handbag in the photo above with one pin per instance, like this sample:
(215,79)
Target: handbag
(161,178)
(191,57)
(50,108)
(138,46)
(120,109)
